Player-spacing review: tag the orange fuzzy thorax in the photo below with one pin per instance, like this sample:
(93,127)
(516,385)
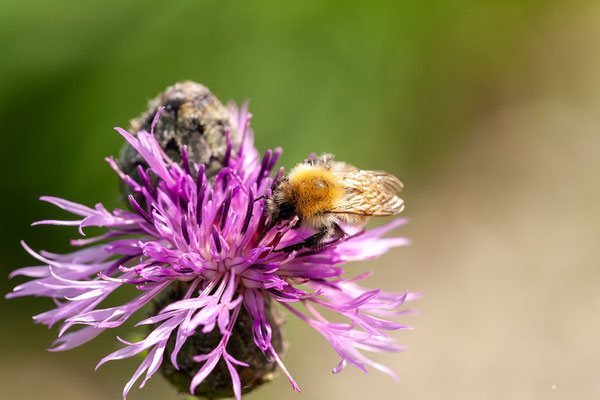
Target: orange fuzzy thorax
(314,189)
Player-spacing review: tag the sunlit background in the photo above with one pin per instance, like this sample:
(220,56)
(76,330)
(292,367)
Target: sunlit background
(489,111)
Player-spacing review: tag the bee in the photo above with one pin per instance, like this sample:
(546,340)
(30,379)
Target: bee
(324,193)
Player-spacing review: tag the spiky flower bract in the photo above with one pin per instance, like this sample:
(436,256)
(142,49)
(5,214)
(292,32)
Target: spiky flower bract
(213,236)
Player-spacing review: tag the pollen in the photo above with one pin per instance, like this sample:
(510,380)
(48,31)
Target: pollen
(314,189)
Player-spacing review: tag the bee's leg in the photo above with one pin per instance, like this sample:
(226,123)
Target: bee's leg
(310,242)
(317,240)
(338,232)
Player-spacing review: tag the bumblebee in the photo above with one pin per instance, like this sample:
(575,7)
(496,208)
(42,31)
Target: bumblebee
(324,193)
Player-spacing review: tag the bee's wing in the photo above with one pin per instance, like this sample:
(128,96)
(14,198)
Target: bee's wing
(369,193)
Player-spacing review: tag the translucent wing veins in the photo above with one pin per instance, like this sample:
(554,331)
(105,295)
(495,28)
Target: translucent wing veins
(369,193)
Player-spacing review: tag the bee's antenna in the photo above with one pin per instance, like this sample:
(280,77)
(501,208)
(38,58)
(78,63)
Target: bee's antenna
(267,195)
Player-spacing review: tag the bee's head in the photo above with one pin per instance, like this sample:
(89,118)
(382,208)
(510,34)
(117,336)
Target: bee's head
(286,211)
(280,205)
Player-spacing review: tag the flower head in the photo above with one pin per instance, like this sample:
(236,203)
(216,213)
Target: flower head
(210,240)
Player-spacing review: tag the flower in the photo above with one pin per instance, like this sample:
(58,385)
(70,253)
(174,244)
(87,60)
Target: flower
(213,240)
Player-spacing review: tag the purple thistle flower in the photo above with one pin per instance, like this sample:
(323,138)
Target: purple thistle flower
(215,239)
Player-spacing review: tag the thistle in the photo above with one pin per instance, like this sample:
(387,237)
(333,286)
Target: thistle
(197,245)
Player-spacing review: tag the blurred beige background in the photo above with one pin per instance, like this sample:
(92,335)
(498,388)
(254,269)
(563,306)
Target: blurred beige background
(495,129)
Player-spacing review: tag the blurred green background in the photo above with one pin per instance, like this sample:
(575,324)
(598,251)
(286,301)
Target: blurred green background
(489,111)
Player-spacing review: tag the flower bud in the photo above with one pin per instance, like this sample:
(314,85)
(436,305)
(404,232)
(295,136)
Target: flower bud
(193,117)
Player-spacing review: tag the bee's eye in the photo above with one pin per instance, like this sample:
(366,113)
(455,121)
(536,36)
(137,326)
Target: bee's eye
(286,211)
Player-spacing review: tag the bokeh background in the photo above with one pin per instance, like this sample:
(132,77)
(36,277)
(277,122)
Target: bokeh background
(489,111)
